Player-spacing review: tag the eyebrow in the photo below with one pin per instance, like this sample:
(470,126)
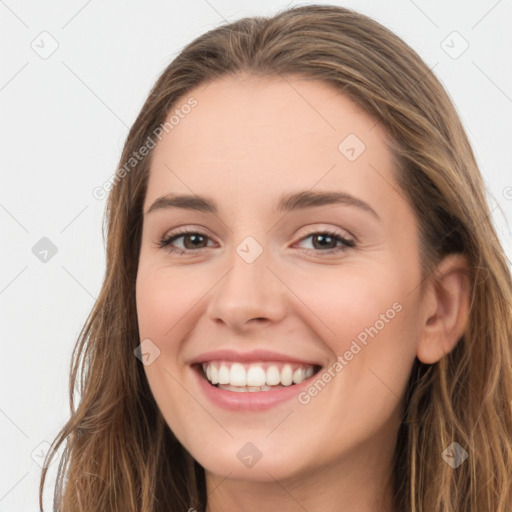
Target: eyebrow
(287,202)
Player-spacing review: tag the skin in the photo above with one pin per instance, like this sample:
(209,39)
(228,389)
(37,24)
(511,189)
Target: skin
(248,141)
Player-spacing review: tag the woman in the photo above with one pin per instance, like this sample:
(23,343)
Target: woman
(233,361)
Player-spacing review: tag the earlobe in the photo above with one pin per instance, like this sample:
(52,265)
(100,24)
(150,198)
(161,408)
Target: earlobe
(445,309)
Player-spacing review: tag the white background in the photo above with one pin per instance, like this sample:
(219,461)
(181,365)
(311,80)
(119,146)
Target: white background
(63,123)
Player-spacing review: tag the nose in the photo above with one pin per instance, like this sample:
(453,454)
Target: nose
(248,295)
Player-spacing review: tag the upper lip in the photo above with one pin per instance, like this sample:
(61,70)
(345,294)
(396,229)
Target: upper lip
(248,357)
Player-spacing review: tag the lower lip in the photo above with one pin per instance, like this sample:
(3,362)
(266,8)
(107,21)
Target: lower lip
(249,400)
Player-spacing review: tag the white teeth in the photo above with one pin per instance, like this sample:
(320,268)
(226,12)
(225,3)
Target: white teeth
(286,375)
(237,375)
(298,375)
(214,374)
(254,377)
(247,389)
(273,376)
(224,376)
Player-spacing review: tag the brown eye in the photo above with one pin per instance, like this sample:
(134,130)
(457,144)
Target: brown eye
(326,242)
(192,240)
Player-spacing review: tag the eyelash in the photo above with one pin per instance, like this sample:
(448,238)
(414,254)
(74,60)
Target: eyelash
(346,243)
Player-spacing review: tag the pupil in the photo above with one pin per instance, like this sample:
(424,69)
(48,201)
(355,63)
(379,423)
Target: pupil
(193,237)
(323,237)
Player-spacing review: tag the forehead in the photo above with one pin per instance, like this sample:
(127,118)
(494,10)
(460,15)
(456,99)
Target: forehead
(261,112)
(249,133)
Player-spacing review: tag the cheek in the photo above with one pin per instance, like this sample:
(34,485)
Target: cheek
(369,320)
(163,299)
(348,302)
(162,306)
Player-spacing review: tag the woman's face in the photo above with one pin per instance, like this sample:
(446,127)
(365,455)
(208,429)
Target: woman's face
(265,288)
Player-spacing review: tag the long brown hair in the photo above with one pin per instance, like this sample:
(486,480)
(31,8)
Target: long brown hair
(120,454)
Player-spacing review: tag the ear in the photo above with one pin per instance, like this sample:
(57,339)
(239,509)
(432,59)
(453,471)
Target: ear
(445,309)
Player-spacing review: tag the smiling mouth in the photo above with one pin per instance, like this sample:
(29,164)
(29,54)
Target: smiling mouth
(254,377)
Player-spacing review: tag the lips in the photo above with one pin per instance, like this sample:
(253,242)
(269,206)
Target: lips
(252,372)
(247,398)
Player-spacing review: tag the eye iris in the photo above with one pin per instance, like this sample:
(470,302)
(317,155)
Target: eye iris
(323,236)
(192,237)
